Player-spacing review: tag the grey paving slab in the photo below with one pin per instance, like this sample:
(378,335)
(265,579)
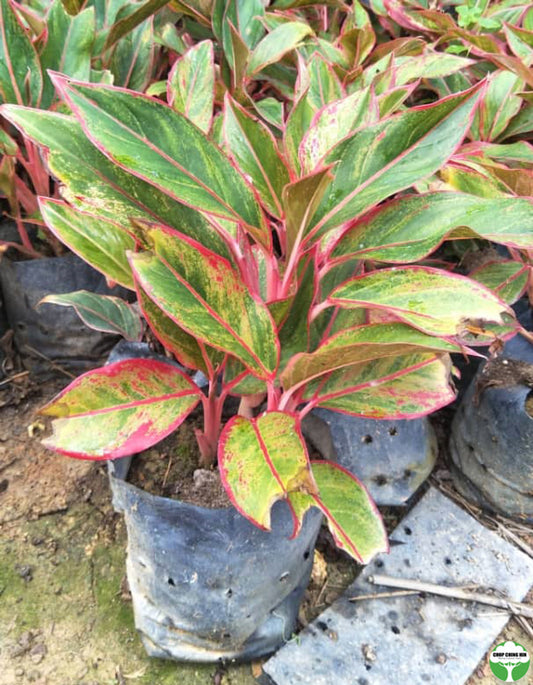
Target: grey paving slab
(414,639)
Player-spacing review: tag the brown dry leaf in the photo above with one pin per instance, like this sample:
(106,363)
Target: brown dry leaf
(319,573)
(257,669)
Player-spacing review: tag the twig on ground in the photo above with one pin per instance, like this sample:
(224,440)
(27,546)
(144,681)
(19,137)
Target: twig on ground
(53,364)
(167,472)
(10,379)
(517,608)
(384,595)
(525,624)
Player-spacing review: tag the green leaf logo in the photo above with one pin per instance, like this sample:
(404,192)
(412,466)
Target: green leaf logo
(509,661)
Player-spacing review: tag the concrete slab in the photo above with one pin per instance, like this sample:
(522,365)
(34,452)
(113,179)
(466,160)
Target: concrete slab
(412,639)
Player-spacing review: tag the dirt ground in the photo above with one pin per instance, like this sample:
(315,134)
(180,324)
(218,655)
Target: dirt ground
(65,612)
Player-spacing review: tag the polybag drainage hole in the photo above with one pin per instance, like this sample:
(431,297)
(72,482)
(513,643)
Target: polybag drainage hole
(395,630)
(407,530)
(448,561)
(229,592)
(367,439)
(380,480)
(284,577)
(170,581)
(306,554)
(393,431)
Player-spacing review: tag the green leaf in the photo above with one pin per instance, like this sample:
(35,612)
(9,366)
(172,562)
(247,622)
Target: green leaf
(358,345)
(300,199)
(152,141)
(276,44)
(508,279)
(133,58)
(68,46)
(333,122)
(246,18)
(126,24)
(206,297)
(101,243)
(383,159)
(120,409)
(473,179)
(431,300)
(182,345)
(191,85)
(271,110)
(498,105)
(101,312)
(21,79)
(256,153)
(297,125)
(324,84)
(352,516)
(261,461)
(94,184)
(406,69)
(398,387)
(409,228)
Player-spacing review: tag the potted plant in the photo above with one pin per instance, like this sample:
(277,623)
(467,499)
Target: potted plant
(272,264)
(96,42)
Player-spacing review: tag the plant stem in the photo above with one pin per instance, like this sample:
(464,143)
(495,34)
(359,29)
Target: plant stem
(208,440)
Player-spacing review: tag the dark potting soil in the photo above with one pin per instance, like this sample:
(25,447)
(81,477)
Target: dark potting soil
(506,373)
(171,469)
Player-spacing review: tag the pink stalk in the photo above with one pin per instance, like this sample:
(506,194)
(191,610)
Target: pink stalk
(208,439)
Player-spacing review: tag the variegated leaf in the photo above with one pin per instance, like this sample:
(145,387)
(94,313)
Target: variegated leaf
(205,296)
(398,387)
(409,228)
(120,409)
(101,312)
(351,514)
(191,85)
(383,159)
(159,145)
(261,461)
(93,183)
(431,300)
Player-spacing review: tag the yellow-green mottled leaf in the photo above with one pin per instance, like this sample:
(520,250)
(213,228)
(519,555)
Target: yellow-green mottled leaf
(21,79)
(191,85)
(100,242)
(120,409)
(92,183)
(431,300)
(261,461)
(182,345)
(409,228)
(206,297)
(68,48)
(508,279)
(152,141)
(254,149)
(333,122)
(351,514)
(498,106)
(398,387)
(357,345)
(387,157)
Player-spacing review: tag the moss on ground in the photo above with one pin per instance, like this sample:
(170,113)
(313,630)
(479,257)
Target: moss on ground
(64,619)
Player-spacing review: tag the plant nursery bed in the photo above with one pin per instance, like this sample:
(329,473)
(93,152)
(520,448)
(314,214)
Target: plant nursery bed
(65,612)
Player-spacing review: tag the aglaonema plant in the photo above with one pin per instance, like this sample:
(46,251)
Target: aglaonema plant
(290,270)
